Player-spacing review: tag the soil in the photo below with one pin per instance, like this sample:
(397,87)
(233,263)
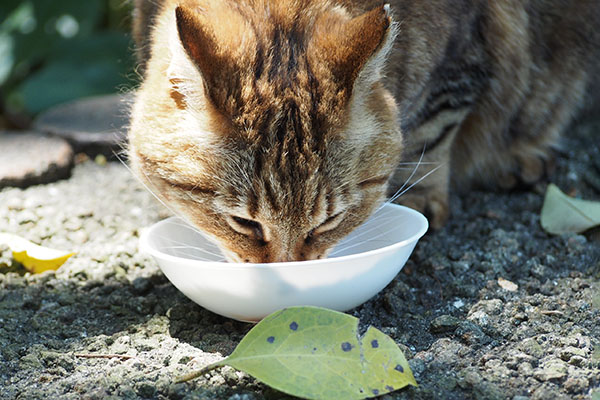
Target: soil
(464,334)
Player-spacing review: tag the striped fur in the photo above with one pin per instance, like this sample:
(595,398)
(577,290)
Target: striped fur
(273,126)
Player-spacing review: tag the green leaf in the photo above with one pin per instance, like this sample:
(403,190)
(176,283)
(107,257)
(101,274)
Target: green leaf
(316,353)
(562,214)
(7,60)
(92,66)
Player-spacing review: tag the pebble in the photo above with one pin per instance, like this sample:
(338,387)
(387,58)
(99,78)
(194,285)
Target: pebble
(525,369)
(141,285)
(576,384)
(551,370)
(471,333)
(569,352)
(444,323)
(532,347)
(146,390)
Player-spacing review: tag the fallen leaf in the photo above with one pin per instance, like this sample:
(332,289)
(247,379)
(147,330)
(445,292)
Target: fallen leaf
(34,258)
(507,285)
(315,353)
(562,214)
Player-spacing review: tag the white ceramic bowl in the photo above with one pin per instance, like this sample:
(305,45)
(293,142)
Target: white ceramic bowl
(357,269)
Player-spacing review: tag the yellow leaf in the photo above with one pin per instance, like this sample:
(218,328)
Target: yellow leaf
(34,258)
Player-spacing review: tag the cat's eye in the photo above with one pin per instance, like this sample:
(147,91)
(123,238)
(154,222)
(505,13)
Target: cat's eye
(247,227)
(374,182)
(329,224)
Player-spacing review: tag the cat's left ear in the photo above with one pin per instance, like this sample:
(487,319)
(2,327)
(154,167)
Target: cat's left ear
(355,50)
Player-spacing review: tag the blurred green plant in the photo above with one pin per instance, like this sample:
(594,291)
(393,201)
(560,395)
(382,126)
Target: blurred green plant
(55,51)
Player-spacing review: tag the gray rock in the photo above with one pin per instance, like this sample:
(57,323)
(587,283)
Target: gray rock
(532,347)
(568,352)
(31,158)
(525,369)
(548,391)
(444,323)
(575,385)
(471,333)
(551,370)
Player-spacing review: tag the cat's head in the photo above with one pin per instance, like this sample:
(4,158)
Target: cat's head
(265,124)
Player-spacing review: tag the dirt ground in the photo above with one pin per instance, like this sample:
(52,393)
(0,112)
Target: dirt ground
(465,336)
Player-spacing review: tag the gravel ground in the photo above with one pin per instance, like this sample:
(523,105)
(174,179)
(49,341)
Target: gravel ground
(465,336)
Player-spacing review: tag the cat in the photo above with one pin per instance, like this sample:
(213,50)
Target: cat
(277,127)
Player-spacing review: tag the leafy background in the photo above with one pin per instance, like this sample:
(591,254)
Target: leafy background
(54,51)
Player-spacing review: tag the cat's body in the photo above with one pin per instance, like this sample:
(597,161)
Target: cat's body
(270,126)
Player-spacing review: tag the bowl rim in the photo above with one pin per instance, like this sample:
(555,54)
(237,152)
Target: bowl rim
(145,247)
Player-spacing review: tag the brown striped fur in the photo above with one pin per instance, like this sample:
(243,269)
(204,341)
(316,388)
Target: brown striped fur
(271,125)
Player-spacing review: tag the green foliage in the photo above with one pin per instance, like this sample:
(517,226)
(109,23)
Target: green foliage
(54,51)
(315,353)
(562,214)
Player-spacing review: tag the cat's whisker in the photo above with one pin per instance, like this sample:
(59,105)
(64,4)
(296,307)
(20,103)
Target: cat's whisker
(185,222)
(186,225)
(192,252)
(368,227)
(397,195)
(158,198)
(344,249)
(193,256)
(183,245)
(188,244)
(415,183)
(407,180)
(143,183)
(375,238)
(337,252)
(419,163)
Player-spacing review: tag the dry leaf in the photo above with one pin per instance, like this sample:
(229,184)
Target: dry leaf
(35,258)
(507,285)
(562,214)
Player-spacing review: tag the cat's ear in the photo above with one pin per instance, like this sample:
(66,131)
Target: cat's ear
(355,50)
(199,43)
(218,41)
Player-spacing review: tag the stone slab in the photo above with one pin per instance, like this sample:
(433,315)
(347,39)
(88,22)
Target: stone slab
(30,158)
(93,125)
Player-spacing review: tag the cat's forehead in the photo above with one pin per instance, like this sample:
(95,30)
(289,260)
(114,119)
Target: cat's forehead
(269,71)
(282,94)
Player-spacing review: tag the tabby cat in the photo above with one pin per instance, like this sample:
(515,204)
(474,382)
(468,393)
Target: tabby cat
(276,127)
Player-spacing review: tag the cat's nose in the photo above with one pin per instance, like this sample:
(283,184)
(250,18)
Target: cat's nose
(286,257)
(297,256)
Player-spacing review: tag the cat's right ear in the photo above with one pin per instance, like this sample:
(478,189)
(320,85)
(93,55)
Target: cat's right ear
(200,45)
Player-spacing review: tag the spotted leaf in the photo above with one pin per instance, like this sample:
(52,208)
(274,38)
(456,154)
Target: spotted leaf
(315,353)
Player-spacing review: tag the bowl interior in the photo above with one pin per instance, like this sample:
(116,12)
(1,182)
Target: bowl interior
(391,225)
